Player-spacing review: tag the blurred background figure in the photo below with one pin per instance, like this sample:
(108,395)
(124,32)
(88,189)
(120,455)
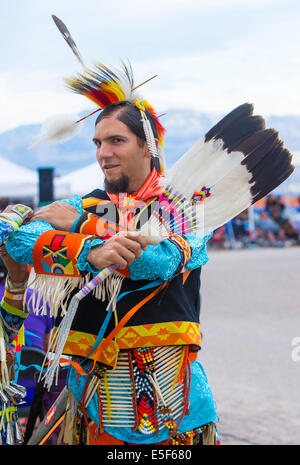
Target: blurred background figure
(268,231)
(278,213)
(38,401)
(37,329)
(29,358)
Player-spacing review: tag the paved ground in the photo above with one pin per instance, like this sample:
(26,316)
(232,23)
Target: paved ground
(250,314)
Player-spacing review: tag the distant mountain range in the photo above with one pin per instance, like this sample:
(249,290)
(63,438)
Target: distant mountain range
(184,128)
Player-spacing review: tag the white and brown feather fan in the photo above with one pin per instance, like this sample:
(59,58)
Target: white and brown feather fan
(239,160)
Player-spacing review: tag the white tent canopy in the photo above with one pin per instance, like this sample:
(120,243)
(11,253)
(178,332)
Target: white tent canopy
(19,182)
(84,180)
(16,180)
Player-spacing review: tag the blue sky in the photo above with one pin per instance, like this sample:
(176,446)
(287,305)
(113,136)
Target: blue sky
(210,55)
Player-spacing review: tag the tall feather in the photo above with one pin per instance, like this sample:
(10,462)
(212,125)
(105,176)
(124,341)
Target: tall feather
(57,129)
(68,38)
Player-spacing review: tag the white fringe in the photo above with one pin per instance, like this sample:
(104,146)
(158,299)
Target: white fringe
(56,290)
(110,289)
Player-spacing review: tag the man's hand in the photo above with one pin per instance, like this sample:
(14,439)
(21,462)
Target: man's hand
(60,215)
(120,250)
(18,272)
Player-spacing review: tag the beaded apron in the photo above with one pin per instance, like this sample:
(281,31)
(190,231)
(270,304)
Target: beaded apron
(145,391)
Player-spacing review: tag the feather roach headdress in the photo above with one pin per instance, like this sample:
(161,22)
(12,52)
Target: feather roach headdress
(105,87)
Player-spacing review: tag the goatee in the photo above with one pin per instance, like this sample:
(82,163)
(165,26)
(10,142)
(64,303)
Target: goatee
(120,185)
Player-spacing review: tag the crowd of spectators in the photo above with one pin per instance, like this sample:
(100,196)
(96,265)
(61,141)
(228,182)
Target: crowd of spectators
(271,224)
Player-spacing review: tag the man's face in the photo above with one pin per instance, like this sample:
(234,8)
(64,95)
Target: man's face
(119,154)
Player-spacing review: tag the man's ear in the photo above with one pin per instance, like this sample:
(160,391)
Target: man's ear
(147,151)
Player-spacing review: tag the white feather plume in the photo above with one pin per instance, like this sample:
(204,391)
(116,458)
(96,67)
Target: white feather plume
(57,129)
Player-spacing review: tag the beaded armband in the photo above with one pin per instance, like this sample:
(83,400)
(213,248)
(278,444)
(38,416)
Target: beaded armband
(184,250)
(15,287)
(18,296)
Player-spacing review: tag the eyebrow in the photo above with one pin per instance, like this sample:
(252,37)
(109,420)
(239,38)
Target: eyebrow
(95,139)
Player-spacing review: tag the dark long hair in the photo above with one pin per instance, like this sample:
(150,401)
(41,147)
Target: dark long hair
(129,115)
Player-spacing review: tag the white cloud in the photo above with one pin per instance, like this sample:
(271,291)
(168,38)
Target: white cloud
(262,68)
(210,55)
